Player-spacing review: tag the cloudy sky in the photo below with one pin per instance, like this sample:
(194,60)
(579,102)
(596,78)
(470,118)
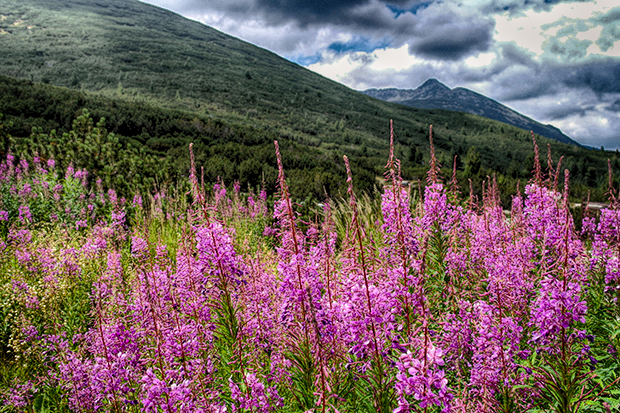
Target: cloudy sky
(553,60)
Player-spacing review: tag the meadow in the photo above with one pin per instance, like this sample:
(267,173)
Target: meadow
(206,298)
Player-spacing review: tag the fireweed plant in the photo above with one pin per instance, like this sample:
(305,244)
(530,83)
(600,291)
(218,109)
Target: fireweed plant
(202,300)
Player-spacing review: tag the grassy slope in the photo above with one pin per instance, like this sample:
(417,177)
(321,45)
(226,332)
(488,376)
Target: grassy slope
(135,52)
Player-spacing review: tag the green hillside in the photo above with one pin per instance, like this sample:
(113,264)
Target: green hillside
(161,80)
(141,145)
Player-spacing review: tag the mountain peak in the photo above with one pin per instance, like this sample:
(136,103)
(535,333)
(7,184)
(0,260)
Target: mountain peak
(434,84)
(433,94)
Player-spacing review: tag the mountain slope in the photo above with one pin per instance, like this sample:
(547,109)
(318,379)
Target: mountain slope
(433,94)
(138,51)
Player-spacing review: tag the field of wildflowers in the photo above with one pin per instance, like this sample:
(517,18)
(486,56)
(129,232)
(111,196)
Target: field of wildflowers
(205,301)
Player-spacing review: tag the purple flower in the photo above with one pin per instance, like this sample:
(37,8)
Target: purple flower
(139,247)
(420,380)
(19,395)
(24,213)
(137,201)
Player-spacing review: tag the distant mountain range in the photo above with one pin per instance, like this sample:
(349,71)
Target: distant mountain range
(433,94)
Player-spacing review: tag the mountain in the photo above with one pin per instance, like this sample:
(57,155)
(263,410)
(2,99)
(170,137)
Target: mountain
(135,51)
(433,94)
(161,81)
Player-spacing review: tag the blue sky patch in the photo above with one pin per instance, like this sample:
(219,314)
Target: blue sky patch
(357,45)
(413,9)
(305,60)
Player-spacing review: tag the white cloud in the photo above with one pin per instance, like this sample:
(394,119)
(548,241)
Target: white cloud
(613,51)
(593,34)
(392,59)
(525,31)
(585,117)
(481,60)
(535,30)
(338,66)
(597,128)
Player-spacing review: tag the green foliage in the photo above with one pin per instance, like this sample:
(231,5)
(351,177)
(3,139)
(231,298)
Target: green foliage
(472,162)
(303,373)
(566,383)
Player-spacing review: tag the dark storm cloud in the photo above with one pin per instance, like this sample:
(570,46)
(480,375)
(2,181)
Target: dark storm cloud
(307,12)
(515,55)
(409,8)
(537,79)
(450,34)
(354,13)
(453,42)
(518,6)
(327,11)
(570,50)
(614,107)
(526,85)
(566,111)
(600,77)
(435,30)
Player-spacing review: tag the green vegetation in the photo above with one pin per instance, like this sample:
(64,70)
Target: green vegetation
(134,145)
(100,305)
(214,303)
